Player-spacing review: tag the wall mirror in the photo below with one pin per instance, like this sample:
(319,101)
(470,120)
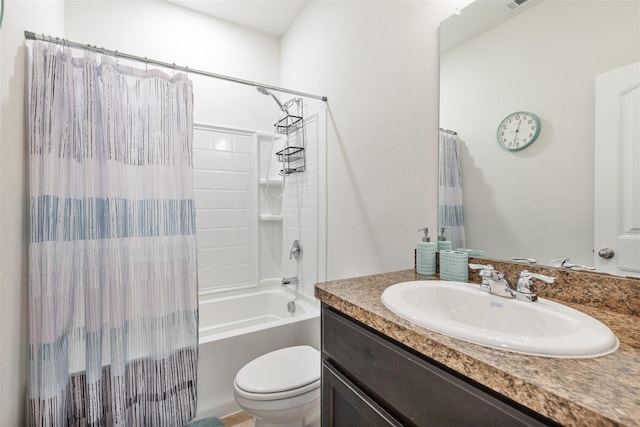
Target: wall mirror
(540,56)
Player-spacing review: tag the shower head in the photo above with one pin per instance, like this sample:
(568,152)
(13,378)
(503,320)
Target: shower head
(266,92)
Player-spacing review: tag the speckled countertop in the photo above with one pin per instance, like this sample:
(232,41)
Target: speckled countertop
(603,391)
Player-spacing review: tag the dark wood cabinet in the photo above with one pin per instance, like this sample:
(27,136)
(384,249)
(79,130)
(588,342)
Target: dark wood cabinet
(369,380)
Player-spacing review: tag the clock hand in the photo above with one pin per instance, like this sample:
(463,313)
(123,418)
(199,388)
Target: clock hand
(515,135)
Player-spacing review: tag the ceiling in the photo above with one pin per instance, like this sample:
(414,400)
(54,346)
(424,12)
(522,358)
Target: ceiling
(272,17)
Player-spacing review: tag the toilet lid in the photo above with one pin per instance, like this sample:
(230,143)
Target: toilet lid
(281,370)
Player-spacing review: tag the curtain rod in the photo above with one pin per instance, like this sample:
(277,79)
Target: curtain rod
(29,35)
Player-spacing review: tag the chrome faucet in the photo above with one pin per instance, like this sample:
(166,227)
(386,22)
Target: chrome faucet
(290,281)
(495,283)
(564,262)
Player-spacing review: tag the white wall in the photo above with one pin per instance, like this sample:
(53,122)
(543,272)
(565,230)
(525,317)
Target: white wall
(377,62)
(172,34)
(537,202)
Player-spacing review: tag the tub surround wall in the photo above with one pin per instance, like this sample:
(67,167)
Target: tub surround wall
(225,207)
(598,391)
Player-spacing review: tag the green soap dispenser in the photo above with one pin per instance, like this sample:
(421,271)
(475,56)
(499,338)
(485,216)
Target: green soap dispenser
(443,243)
(426,254)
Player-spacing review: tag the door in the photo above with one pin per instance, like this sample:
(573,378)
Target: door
(617,171)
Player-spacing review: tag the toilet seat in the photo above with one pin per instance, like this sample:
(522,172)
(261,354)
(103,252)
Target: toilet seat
(280,374)
(287,394)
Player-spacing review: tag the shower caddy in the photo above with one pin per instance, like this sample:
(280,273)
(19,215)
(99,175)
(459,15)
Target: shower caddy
(292,157)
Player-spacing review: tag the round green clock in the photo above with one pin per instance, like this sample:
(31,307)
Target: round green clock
(518,130)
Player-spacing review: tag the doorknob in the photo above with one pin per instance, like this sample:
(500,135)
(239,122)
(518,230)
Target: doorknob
(606,253)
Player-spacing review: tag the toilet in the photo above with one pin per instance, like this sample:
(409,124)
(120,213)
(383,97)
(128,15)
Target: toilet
(281,388)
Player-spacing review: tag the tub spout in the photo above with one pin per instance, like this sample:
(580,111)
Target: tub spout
(290,281)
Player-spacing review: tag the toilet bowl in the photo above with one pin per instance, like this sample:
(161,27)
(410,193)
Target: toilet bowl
(281,388)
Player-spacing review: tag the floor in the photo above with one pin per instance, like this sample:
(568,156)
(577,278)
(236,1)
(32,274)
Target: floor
(239,419)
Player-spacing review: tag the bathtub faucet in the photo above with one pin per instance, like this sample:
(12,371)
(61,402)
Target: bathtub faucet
(290,281)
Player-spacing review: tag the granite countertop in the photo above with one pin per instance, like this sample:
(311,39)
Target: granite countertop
(603,391)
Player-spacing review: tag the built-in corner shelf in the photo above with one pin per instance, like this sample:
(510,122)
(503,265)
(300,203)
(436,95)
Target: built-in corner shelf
(272,182)
(270,217)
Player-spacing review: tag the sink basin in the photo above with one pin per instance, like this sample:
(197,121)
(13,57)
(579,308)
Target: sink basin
(461,310)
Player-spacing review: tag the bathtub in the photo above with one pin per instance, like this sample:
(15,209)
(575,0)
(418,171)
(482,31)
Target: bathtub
(236,327)
(246,312)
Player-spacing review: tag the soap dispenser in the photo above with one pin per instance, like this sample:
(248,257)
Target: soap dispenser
(443,243)
(426,254)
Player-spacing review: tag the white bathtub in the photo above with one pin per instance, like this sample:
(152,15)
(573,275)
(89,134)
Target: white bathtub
(237,327)
(238,314)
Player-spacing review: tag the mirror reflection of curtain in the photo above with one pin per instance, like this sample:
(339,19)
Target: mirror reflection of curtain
(450,208)
(113,297)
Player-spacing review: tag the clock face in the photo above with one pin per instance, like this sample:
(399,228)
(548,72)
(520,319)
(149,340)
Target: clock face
(518,130)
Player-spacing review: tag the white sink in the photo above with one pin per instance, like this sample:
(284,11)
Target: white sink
(461,310)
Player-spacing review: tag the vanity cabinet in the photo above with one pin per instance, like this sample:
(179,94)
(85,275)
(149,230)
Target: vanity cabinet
(369,380)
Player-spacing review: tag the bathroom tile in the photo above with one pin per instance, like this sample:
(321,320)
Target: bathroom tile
(223,238)
(206,277)
(222,180)
(202,139)
(205,218)
(202,159)
(242,199)
(223,199)
(202,179)
(221,276)
(223,218)
(222,141)
(242,181)
(222,161)
(242,163)
(204,199)
(243,218)
(244,274)
(243,235)
(206,238)
(242,144)
(242,254)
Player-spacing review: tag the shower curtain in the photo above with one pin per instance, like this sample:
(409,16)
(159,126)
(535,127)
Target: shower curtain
(450,208)
(112,254)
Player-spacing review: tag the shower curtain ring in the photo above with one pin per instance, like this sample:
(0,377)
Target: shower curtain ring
(146,64)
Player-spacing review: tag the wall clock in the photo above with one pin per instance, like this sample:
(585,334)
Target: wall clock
(518,130)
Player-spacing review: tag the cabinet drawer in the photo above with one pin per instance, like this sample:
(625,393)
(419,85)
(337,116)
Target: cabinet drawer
(408,386)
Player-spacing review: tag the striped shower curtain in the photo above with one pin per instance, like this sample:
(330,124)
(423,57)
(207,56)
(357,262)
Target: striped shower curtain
(112,255)
(450,207)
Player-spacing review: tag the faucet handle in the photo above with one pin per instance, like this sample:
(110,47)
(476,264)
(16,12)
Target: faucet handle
(486,270)
(296,250)
(526,274)
(481,267)
(525,284)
